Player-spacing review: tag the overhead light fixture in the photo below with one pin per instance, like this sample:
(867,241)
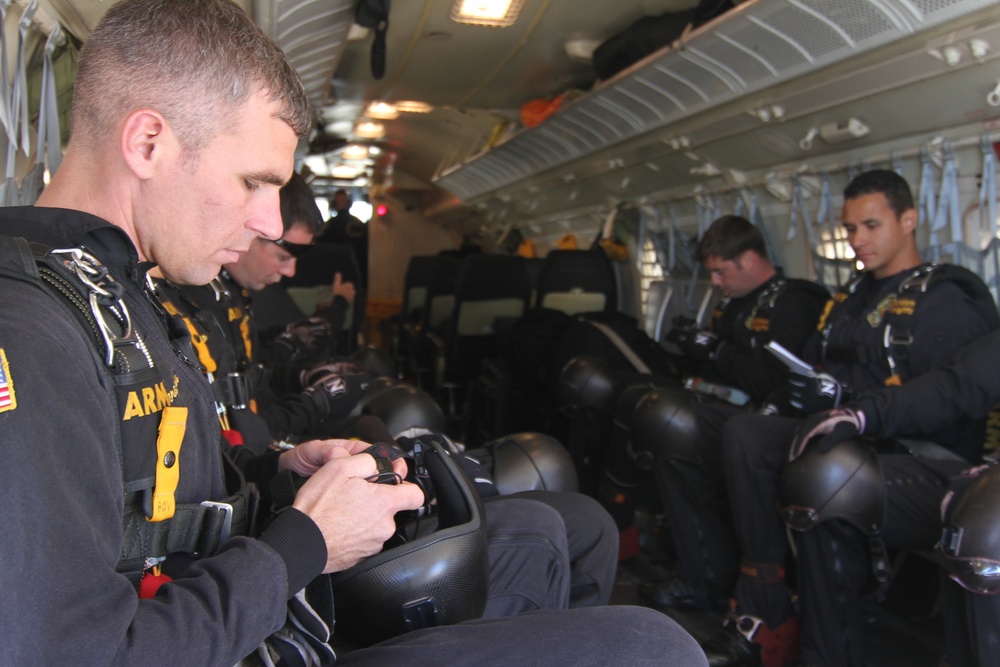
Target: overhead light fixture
(317,164)
(369,130)
(493,13)
(374,150)
(345,172)
(412,106)
(382,111)
(581,50)
(355,152)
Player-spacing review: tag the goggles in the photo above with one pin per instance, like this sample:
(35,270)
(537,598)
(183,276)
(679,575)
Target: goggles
(293,249)
(977,575)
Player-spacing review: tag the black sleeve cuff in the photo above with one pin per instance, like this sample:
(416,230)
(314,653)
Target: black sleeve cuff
(299,542)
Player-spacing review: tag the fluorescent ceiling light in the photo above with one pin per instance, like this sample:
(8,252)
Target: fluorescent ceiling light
(382,111)
(345,172)
(355,152)
(369,130)
(317,164)
(412,106)
(494,13)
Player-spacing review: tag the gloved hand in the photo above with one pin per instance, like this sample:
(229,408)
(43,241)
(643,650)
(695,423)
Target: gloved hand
(336,395)
(815,394)
(310,376)
(682,329)
(702,346)
(832,427)
(308,330)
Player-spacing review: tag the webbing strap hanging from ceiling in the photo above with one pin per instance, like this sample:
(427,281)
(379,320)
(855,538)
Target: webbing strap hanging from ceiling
(48,128)
(50,101)
(5,111)
(897,163)
(21,82)
(988,189)
(988,215)
(927,202)
(947,208)
(800,213)
(673,235)
(739,206)
(824,213)
(703,211)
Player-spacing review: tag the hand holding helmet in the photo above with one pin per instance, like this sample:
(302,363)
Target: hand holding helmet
(831,427)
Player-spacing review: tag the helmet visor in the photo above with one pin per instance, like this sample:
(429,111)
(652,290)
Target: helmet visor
(977,575)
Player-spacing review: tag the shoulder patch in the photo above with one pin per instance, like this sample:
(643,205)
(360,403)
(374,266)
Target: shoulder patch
(8,401)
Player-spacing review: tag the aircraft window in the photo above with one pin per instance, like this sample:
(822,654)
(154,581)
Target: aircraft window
(650,271)
(835,245)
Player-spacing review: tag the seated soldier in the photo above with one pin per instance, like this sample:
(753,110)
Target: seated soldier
(676,433)
(898,319)
(922,497)
(589,532)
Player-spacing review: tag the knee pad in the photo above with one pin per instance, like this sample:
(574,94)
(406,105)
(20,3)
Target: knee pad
(845,483)
(664,427)
(401,407)
(970,541)
(532,462)
(585,382)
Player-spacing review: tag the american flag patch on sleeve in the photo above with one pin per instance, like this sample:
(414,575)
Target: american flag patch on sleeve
(7,399)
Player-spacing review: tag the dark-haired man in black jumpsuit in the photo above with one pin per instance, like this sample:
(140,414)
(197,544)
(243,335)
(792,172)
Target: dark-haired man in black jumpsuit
(964,390)
(760,305)
(897,320)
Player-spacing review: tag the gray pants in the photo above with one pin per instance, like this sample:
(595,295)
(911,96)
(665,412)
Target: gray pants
(597,636)
(549,550)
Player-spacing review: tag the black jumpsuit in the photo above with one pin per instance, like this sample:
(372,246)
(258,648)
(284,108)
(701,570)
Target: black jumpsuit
(965,389)
(693,493)
(755,448)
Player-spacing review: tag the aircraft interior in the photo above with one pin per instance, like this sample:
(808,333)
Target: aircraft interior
(568,156)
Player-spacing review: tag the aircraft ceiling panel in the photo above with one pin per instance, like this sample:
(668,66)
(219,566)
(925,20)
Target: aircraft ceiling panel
(790,38)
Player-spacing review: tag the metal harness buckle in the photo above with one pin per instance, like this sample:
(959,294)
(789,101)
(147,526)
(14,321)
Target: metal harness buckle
(105,297)
(227,521)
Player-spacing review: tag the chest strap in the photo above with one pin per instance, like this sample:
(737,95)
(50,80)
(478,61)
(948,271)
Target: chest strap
(80,280)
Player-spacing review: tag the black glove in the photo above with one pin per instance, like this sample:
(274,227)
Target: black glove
(336,395)
(702,346)
(817,393)
(310,376)
(682,329)
(307,331)
(835,426)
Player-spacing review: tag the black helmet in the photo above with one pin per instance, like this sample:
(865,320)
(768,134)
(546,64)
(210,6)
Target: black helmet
(843,483)
(402,407)
(970,541)
(531,462)
(585,382)
(664,425)
(435,578)
(374,361)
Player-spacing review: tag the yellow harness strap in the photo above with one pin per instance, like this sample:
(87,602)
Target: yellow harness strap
(168,462)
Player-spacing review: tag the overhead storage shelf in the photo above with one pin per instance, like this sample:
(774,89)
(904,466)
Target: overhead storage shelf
(752,48)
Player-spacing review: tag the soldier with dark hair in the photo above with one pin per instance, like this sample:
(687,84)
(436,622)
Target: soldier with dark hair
(898,319)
